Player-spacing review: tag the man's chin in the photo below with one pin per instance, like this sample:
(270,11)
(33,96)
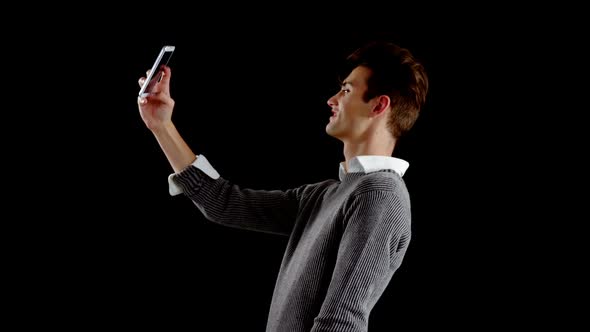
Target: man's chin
(330,131)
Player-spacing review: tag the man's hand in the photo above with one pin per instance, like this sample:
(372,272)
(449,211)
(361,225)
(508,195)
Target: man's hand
(156,108)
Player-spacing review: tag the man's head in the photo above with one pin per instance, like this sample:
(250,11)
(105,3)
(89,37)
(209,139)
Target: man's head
(384,90)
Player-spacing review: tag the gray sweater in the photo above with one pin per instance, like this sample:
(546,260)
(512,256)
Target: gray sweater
(346,239)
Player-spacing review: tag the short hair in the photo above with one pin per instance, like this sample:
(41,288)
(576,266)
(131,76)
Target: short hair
(396,73)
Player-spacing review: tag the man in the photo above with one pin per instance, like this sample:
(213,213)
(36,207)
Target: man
(346,237)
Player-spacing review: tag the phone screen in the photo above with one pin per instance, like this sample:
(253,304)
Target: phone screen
(155,73)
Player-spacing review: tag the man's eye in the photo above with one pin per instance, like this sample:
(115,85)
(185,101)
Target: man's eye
(345,90)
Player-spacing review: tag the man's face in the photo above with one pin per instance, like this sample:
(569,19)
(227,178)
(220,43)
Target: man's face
(350,113)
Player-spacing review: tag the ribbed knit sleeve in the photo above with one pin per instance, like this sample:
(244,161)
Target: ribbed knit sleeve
(270,211)
(374,241)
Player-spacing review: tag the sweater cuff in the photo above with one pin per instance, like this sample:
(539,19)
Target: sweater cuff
(177,185)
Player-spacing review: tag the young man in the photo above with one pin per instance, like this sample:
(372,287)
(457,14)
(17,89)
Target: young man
(346,237)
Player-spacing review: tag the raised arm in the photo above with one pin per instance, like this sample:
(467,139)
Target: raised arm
(156,112)
(220,201)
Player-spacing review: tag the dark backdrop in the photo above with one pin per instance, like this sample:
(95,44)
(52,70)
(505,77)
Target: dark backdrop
(103,244)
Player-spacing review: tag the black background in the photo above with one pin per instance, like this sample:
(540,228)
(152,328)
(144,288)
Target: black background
(102,243)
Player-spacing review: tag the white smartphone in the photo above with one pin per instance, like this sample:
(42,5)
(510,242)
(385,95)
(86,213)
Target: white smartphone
(155,73)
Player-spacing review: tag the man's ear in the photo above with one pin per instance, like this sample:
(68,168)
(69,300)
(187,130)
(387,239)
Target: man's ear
(381,104)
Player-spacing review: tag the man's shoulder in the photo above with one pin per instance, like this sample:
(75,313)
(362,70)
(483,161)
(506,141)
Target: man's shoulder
(384,180)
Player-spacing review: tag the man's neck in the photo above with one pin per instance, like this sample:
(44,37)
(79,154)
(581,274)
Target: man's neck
(352,150)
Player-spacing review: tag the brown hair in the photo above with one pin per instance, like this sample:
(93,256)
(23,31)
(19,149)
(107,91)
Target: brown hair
(395,73)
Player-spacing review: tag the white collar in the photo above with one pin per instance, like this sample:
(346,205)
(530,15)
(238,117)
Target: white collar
(368,164)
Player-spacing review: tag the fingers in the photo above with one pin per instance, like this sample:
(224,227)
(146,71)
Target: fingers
(142,79)
(165,81)
(163,84)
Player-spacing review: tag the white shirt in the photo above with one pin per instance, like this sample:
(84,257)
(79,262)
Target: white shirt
(368,164)
(365,164)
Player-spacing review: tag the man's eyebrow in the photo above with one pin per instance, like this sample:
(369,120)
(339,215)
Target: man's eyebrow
(345,83)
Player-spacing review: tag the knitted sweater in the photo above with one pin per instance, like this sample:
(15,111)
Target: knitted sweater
(346,239)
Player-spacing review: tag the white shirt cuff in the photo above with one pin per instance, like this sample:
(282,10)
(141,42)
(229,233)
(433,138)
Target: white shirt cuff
(201,163)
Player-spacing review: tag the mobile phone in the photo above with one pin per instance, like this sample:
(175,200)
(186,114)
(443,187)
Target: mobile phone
(155,73)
